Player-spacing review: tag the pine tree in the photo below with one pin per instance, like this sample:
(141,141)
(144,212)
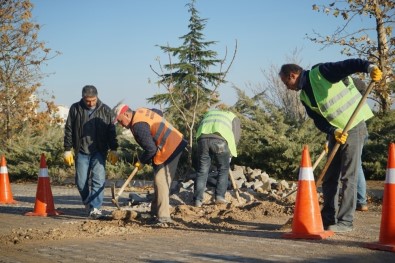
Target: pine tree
(190,86)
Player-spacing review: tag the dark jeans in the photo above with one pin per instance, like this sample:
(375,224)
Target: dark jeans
(342,174)
(361,186)
(212,149)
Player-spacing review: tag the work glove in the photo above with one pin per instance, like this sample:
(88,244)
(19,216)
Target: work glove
(326,148)
(139,165)
(112,157)
(340,137)
(375,73)
(68,158)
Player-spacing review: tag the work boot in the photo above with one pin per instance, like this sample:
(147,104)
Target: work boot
(362,208)
(95,213)
(340,228)
(220,201)
(163,222)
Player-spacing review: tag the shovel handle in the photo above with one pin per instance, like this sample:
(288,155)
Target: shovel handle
(126,183)
(234,186)
(319,159)
(345,130)
(314,166)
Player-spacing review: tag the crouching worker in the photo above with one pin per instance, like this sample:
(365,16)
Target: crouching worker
(217,137)
(162,145)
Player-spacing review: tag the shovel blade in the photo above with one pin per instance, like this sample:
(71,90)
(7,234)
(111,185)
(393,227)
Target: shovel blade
(114,199)
(113,191)
(115,202)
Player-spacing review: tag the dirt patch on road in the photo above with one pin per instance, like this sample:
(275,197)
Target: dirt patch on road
(225,217)
(256,210)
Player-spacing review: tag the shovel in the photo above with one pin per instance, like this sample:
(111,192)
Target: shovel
(345,130)
(234,186)
(115,197)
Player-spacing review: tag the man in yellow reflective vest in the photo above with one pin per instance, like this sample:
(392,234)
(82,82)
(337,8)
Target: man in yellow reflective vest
(330,104)
(217,136)
(162,145)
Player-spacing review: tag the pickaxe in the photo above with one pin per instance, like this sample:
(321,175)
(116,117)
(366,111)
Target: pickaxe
(234,185)
(115,197)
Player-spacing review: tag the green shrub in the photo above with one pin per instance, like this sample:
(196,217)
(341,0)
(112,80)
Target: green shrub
(375,153)
(24,151)
(268,142)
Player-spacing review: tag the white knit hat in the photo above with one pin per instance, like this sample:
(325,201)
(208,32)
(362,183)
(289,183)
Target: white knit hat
(119,109)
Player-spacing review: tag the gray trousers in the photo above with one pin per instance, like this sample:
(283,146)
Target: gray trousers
(163,177)
(342,176)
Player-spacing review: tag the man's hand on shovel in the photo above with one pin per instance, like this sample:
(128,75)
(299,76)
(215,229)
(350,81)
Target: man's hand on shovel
(340,136)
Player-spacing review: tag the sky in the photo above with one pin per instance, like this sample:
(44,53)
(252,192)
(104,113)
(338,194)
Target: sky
(112,44)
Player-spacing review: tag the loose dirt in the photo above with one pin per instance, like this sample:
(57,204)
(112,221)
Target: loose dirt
(256,208)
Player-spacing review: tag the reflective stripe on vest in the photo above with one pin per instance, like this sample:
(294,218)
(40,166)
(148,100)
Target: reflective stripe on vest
(228,123)
(216,121)
(335,102)
(166,137)
(168,131)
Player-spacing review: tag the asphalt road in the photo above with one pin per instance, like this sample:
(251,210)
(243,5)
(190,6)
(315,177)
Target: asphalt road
(257,242)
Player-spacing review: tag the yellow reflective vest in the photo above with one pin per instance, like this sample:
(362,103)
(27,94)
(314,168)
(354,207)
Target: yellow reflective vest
(219,122)
(335,101)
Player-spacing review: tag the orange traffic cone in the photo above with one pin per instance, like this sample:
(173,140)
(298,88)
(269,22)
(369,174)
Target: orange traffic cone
(307,221)
(387,228)
(5,188)
(44,205)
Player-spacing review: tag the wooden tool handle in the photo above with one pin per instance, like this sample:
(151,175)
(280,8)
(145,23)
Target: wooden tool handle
(126,182)
(234,186)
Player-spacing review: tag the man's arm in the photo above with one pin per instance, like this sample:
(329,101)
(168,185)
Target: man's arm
(336,71)
(112,140)
(68,130)
(142,135)
(157,111)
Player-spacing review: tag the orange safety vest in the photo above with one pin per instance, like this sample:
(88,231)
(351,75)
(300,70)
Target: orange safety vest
(166,137)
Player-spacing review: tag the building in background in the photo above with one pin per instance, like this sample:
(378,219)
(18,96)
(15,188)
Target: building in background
(62,113)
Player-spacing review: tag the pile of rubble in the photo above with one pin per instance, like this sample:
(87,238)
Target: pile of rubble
(251,184)
(247,180)
(259,196)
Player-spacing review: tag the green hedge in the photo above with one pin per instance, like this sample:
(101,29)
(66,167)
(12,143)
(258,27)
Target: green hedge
(269,142)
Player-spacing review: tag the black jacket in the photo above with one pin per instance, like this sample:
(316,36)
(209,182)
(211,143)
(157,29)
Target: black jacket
(105,129)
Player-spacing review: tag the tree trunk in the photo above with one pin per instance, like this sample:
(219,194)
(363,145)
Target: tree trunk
(382,42)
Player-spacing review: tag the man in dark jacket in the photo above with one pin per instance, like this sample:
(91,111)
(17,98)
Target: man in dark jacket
(90,132)
(330,104)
